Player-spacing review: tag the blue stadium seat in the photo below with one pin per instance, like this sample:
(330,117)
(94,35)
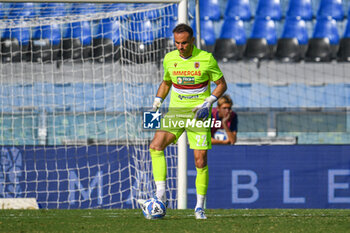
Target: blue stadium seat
(15,44)
(77,41)
(141,31)
(207,34)
(325,40)
(262,41)
(208,10)
(265,28)
(344,46)
(139,42)
(3,10)
(46,43)
(83,8)
(238,8)
(300,8)
(148,15)
(269,8)
(52,9)
(114,7)
(107,41)
(293,42)
(326,28)
(333,8)
(21,10)
(232,40)
(295,28)
(172,11)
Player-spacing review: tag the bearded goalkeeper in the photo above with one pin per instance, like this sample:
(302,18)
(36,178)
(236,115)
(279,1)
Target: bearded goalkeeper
(189,71)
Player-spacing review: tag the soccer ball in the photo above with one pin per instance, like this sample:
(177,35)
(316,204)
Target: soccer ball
(153,209)
(220,135)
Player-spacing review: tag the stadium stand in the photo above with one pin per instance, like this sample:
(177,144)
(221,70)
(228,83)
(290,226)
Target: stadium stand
(269,8)
(77,38)
(344,46)
(300,8)
(324,44)
(21,10)
(77,41)
(15,44)
(231,43)
(45,44)
(293,42)
(140,40)
(106,43)
(238,8)
(262,42)
(52,9)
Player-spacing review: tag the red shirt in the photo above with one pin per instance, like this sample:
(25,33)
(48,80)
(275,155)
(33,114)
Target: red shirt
(231,123)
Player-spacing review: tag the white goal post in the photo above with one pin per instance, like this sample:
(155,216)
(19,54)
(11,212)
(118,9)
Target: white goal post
(31,80)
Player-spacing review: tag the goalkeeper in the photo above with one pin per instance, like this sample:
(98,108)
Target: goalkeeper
(189,71)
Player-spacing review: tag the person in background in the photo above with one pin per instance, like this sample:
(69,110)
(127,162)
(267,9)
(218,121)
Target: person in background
(227,133)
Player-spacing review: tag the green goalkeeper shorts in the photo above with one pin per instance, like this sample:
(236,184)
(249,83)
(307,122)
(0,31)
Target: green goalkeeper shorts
(176,121)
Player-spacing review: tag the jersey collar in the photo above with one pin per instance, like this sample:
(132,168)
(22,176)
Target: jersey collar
(194,53)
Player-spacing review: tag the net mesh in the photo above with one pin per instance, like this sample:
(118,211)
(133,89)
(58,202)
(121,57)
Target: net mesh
(74,80)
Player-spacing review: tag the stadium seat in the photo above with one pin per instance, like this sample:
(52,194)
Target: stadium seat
(114,7)
(46,43)
(344,46)
(319,50)
(52,9)
(83,8)
(77,41)
(172,11)
(208,10)
(207,34)
(164,41)
(269,8)
(300,8)
(15,44)
(142,14)
(139,43)
(231,43)
(325,41)
(332,8)
(238,8)
(21,10)
(262,42)
(107,42)
(293,42)
(3,10)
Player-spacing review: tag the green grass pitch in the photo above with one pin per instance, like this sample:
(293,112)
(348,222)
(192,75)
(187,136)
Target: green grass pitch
(219,220)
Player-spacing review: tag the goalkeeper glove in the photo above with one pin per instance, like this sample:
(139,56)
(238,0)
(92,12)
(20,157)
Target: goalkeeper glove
(203,110)
(156,103)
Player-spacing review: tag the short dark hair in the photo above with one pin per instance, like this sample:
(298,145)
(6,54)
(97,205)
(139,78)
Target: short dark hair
(182,27)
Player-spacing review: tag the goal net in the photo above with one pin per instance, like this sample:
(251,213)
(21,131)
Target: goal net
(75,79)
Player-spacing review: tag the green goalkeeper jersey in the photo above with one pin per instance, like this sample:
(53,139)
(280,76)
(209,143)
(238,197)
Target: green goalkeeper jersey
(190,77)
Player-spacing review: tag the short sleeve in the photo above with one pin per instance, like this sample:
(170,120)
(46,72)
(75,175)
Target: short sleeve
(214,70)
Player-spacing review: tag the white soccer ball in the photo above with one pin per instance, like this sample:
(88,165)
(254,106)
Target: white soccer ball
(153,209)
(220,135)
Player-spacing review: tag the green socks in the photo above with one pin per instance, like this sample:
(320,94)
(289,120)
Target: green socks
(158,165)
(202,180)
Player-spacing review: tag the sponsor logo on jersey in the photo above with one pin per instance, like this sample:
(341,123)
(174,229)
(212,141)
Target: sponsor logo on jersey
(196,65)
(187,72)
(175,64)
(188,97)
(185,80)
